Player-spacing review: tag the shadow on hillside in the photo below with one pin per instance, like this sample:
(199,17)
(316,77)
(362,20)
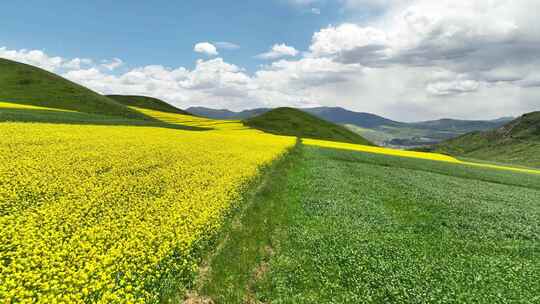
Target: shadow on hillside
(210,123)
(78,118)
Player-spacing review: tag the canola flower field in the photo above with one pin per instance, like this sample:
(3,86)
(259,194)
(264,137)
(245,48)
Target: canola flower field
(9,105)
(410,154)
(113,213)
(195,121)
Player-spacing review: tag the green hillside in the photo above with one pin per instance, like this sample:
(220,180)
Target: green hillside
(146,103)
(293,122)
(517,142)
(25,84)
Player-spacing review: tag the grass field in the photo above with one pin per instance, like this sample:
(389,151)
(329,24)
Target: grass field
(337,226)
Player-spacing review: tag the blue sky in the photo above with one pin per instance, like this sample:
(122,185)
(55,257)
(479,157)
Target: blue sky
(404,59)
(149,32)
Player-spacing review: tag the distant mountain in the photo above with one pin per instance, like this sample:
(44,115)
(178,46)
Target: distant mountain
(26,84)
(461,126)
(225,114)
(387,132)
(516,142)
(293,122)
(342,116)
(377,129)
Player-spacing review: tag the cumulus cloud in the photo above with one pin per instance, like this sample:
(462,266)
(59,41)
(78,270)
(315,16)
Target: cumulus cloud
(113,64)
(485,48)
(279,51)
(38,58)
(42,60)
(206,48)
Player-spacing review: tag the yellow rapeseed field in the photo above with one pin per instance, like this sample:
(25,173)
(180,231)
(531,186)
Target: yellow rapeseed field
(194,121)
(410,154)
(114,213)
(379,150)
(9,105)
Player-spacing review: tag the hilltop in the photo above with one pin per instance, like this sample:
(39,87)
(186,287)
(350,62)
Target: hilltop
(294,122)
(375,128)
(516,142)
(147,103)
(25,84)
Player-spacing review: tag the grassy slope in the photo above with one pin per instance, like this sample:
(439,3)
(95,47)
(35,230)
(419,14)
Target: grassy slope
(248,236)
(26,84)
(293,122)
(13,112)
(343,227)
(147,103)
(517,142)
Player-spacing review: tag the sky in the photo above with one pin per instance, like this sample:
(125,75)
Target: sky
(408,60)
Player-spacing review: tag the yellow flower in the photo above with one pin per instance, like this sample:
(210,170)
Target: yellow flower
(106,211)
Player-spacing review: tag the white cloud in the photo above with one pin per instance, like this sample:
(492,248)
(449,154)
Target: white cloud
(226,45)
(206,48)
(345,38)
(315,11)
(76,63)
(35,57)
(452,87)
(113,64)
(279,51)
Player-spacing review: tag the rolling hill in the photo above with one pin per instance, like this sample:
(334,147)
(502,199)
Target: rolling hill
(294,122)
(516,142)
(375,128)
(24,84)
(147,103)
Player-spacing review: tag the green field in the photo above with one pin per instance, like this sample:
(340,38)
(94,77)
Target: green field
(335,226)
